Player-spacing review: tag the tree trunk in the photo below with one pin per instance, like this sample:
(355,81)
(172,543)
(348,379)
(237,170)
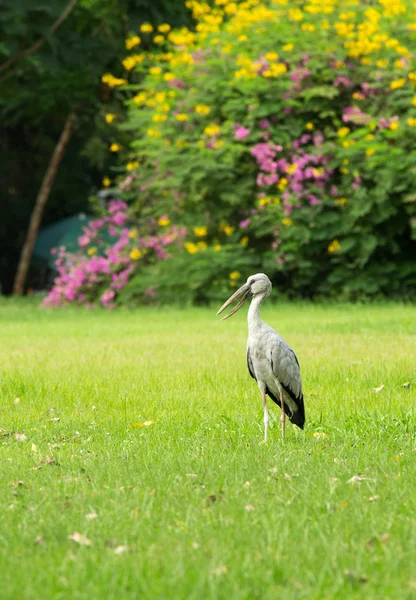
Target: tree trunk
(40,204)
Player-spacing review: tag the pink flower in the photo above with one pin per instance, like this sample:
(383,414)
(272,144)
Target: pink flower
(107,297)
(342,80)
(244,224)
(241,132)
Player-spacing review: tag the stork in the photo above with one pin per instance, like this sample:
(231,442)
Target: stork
(270,360)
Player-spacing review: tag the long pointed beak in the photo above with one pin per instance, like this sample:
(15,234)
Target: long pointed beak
(243,291)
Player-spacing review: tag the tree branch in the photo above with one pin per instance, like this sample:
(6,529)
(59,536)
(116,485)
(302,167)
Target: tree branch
(70,6)
(41,200)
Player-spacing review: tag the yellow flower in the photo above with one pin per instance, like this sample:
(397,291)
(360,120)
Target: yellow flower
(212,129)
(271,55)
(158,39)
(275,70)
(291,169)
(394,125)
(264,201)
(191,247)
(288,47)
(295,14)
(200,231)
(282,183)
(168,76)
(202,245)
(146,28)
(340,201)
(140,98)
(235,275)
(397,83)
(112,81)
(164,28)
(106,182)
(243,38)
(358,96)
(92,251)
(159,118)
(414,101)
(228,230)
(343,131)
(132,41)
(202,109)
(334,246)
(133,233)
(109,117)
(135,254)
(153,133)
(309,126)
(164,221)
(132,165)
(155,70)
(182,117)
(370,151)
(411,122)
(217,247)
(244,241)
(287,222)
(114,147)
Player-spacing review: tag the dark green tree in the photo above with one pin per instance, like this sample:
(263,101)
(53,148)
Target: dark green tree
(52,57)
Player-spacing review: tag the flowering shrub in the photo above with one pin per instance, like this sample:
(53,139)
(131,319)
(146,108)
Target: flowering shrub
(280,134)
(109,255)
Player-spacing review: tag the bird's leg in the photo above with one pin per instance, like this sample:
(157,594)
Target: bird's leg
(266,417)
(282,416)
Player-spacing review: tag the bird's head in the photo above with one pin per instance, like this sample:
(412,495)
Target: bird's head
(256,285)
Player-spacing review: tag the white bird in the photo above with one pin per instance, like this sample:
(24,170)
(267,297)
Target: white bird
(270,360)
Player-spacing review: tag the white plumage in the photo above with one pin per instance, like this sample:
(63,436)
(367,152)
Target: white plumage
(270,360)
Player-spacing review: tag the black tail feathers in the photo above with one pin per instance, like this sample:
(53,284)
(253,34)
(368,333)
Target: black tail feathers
(298,417)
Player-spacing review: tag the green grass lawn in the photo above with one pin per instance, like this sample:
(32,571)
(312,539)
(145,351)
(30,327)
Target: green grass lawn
(194,506)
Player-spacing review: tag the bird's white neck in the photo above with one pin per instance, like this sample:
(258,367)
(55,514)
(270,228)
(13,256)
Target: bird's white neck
(253,316)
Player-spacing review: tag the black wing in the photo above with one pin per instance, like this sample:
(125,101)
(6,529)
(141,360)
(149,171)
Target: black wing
(250,365)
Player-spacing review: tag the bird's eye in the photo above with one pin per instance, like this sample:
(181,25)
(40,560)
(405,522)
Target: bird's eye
(251,282)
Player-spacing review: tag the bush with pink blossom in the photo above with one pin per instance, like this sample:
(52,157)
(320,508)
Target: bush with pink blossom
(280,136)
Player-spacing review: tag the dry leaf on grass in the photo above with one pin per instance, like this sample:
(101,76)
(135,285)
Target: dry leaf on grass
(249,507)
(378,389)
(349,574)
(356,479)
(320,435)
(120,549)
(91,516)
(383,539)
(221,570)
(34,448)
(373,498)
(145,424)
(407,385)
(20,437)
(80,539)
(16,401)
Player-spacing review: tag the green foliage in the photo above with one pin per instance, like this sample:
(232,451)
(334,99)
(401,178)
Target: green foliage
(296,135)
(39,89)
